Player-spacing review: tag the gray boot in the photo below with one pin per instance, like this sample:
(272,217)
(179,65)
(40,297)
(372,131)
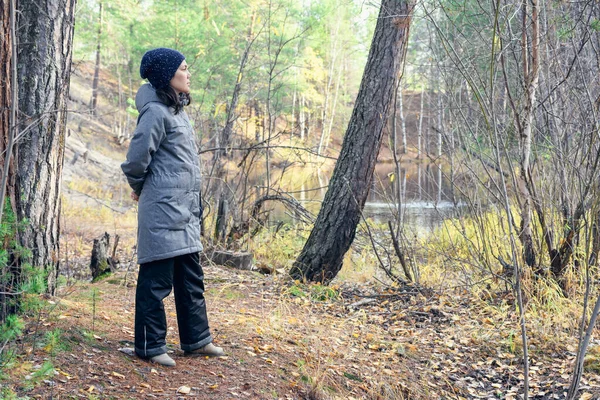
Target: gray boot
(163,359)
(209,350)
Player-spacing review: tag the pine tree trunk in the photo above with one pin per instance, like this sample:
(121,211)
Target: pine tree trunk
(6,100)
(5,74)
(45,43)
(322,255)
(7,121)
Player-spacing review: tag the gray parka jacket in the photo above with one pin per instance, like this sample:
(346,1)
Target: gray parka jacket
(163,168)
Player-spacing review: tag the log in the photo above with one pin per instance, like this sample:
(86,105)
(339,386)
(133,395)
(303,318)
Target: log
(101,263)
(242,260)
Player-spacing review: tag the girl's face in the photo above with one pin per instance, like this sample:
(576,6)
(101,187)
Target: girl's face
(181,80)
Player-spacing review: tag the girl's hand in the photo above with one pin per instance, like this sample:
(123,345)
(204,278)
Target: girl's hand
(134,196)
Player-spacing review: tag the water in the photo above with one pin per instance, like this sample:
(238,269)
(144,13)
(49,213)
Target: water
(425,192)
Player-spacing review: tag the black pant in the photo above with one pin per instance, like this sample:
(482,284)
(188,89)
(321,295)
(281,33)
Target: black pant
(155,280)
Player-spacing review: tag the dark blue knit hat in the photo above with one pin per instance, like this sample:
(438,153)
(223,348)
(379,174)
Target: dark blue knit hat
(159,66)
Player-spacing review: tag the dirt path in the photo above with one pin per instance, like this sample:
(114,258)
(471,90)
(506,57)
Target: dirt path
(286,341)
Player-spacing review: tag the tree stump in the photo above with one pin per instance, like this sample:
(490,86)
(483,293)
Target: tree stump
(231,259)
(101,262)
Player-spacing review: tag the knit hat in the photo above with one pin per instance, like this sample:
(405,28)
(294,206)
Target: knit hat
(159,66)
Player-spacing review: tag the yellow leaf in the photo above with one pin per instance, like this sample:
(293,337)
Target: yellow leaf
(269,361)
(118,375)
(145,385)
(586,396)
(213,387)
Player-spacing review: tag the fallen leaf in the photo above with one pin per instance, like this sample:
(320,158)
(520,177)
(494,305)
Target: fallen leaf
(213,387)
(127,350)
(184,390)
(586,396)
(118,375)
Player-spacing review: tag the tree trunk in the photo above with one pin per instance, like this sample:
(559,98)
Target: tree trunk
(531,76)
(7,102)
(322,255)
(402,122)
(5,68)
(231,116)
(420,128)
(301,118)
(97,67)
(45,43)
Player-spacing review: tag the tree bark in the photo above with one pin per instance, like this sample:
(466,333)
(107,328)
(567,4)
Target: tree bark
(531,76)
(7,102)
(45,33)
(335,228)
(5,68)
(420,128)
(402,122)
(97,66)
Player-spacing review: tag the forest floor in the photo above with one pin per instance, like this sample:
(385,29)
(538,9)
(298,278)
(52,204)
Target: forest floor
(357,339)
(285,340)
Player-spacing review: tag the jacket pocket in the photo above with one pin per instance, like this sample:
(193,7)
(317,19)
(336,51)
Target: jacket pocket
(173,212)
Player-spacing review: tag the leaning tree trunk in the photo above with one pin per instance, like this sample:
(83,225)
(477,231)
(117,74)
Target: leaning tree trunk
(45,33)
(335,227)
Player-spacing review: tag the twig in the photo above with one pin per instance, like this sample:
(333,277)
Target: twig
(399,253)
(362,302)
(261,147)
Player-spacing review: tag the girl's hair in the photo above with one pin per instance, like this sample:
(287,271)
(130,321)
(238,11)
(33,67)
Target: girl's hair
(168,96)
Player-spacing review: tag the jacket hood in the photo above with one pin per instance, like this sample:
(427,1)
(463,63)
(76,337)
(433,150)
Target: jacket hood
(146,94)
